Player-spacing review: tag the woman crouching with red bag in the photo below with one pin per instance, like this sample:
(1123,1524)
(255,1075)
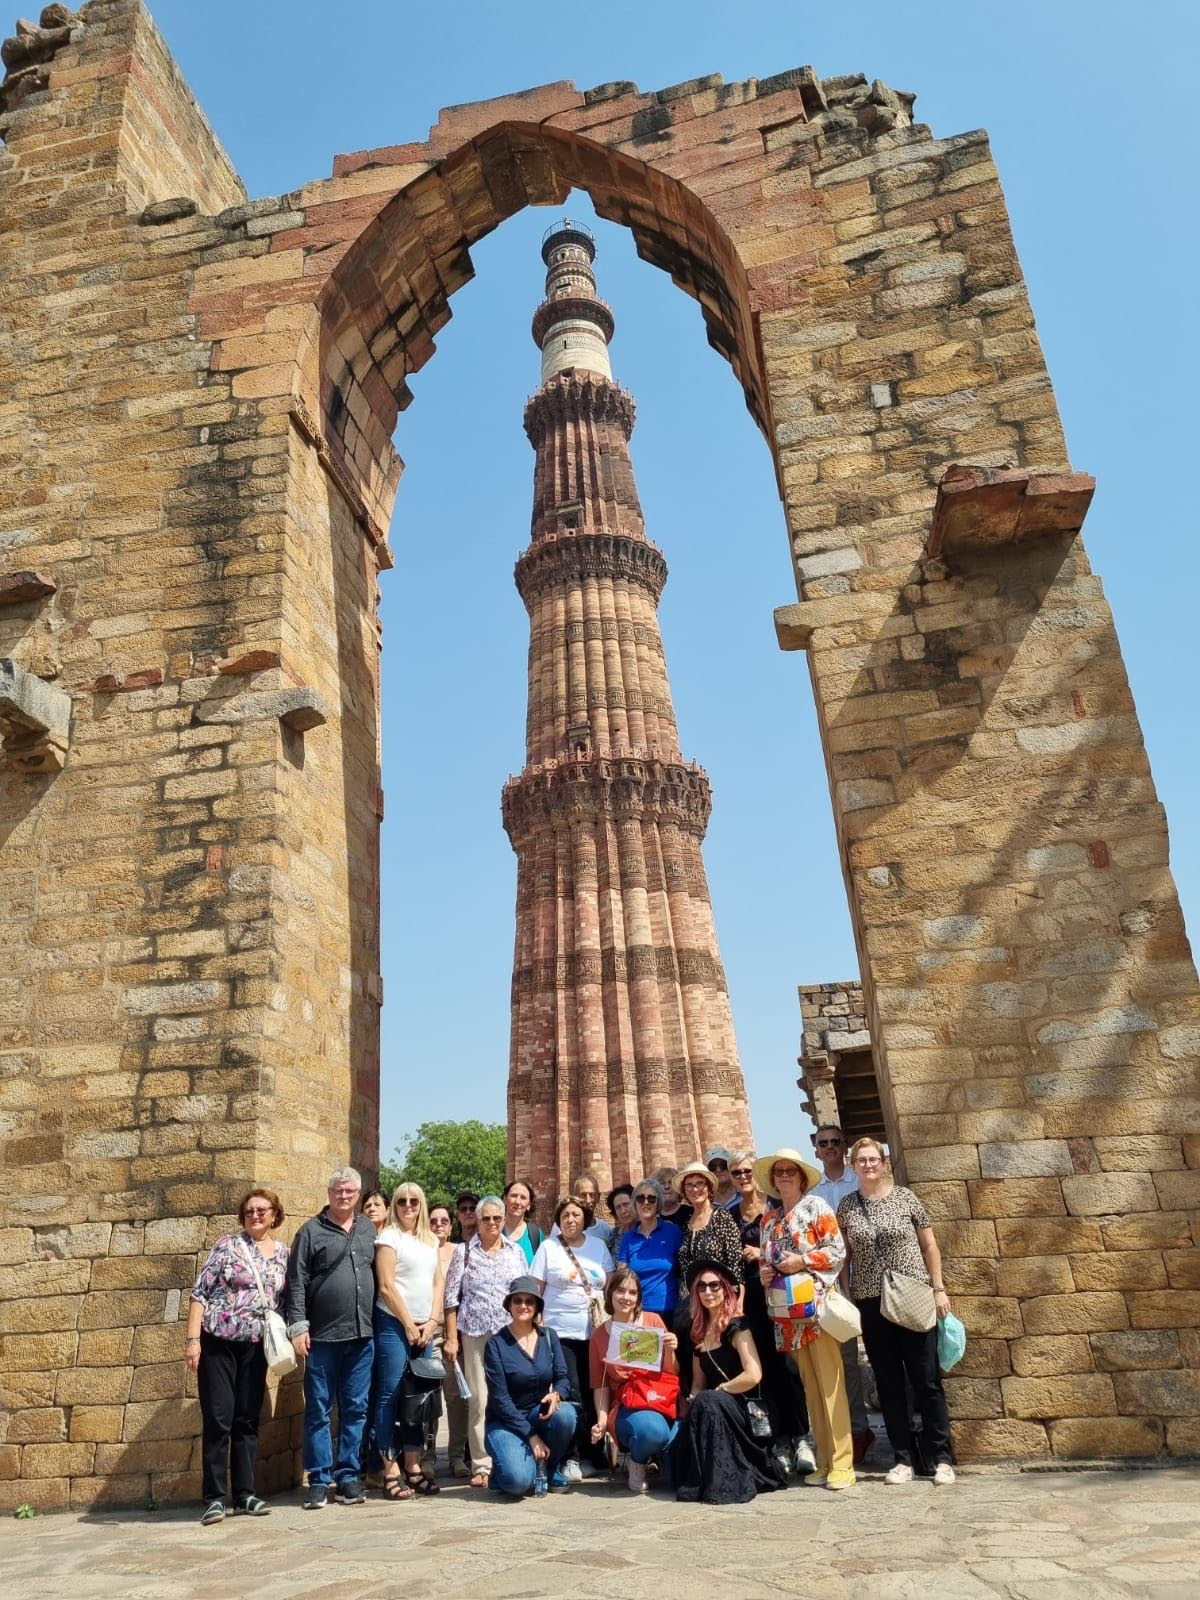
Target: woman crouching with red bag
(634,1405)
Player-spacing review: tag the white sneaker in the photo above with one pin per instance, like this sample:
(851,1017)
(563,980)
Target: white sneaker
(637,1477)
(944,1473)
(903,1473)
(571,1471)
(804,1459)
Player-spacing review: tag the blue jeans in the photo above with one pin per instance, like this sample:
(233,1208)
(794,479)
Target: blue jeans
(338,1370)
(391,1359)
(513,1464)
(644,1434)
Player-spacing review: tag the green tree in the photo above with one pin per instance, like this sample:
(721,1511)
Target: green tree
(447,1157)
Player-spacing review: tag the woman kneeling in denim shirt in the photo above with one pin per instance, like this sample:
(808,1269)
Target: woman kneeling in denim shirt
(530,1422)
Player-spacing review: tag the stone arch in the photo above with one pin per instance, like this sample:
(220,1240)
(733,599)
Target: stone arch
(210,1014)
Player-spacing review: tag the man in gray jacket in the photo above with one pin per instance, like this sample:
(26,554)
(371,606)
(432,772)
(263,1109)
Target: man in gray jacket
(330,1310)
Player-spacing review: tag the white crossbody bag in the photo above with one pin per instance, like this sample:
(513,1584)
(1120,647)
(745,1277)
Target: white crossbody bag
(277,1347)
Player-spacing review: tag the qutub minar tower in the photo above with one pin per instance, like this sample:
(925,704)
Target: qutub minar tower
(623,1055)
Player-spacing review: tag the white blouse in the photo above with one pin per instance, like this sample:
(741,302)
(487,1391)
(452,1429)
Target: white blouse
(416,1269)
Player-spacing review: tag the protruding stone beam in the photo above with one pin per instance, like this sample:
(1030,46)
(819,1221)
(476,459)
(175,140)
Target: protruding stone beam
(793,628)
(35,720)
(17,587)
(984,507)
(297,708)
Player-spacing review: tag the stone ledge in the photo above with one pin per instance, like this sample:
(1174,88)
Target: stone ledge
(979,508)
(35,720)
(17,587)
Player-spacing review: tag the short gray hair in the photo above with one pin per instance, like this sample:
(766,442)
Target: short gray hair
(344,1175)
(652,1183)
(489,1200)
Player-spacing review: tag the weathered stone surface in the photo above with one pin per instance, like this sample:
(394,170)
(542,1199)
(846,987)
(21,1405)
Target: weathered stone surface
(1104,1438)
(35,720)
(17,587)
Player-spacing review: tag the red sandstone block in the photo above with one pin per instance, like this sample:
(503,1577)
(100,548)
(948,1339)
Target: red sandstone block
(250,661)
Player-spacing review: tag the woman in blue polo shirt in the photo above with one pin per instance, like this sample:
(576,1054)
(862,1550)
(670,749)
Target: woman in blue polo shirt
(651,1248)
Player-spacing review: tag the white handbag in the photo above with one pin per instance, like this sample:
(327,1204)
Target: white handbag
(277,1347)
(838,1316)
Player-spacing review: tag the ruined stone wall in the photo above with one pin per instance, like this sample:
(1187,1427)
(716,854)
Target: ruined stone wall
(195,456)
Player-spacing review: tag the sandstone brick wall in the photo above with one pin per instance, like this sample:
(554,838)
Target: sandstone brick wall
(195,426)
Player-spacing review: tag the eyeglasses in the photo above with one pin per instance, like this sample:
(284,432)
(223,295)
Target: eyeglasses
(407,1200)
(867,1161)
(741,1172)
(259,1211)
(645,1199)
(345,1189)
(524,1300)
(485,1222)
(690,1183)
(828,1144)
(439,1222)
(780,1171)
(710,1285)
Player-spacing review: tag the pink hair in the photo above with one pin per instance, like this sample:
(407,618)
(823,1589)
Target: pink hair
(722,1319)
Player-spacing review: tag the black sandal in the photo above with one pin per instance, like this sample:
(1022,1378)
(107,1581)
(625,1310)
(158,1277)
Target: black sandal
(418,1483)
(396,1489)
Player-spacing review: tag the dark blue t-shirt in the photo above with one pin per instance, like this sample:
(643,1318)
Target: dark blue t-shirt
(653,1259)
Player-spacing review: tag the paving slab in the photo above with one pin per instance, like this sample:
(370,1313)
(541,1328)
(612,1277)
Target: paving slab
(1076,1535)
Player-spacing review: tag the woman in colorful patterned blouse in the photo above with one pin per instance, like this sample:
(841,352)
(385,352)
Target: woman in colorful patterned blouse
(799,1234)
(885,1225)
(225,1349)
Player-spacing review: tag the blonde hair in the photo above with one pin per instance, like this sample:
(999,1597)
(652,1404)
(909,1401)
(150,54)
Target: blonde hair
(422,1232)
(860,1144)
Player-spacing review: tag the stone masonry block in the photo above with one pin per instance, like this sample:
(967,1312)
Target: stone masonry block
(1085,1439)
(1137,1350)
(1002,1439)
(1165,1308)
(1047,1355)
(1158,1394)
(1107,1193)
(1029,1158)
(1067,1394)
(1075,1313)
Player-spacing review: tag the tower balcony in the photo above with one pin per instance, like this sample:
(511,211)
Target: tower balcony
(573,555)
(614,784)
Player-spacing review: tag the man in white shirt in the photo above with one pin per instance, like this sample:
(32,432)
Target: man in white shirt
(839,1181)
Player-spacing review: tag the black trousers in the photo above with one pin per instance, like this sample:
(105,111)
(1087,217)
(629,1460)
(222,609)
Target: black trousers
(232,1379)
(577,1354)
(895,1352)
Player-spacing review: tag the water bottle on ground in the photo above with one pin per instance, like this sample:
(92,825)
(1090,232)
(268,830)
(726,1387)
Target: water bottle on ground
(540,1484)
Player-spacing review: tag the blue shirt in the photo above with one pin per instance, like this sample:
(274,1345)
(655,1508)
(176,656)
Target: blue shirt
(653,1258)
(516,1383)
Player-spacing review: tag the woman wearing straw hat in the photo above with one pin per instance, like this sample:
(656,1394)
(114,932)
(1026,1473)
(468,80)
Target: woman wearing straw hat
(800,1236)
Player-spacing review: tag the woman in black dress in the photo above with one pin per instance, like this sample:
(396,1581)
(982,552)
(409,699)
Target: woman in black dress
(782,1391)
(716,1457)
(709,1234)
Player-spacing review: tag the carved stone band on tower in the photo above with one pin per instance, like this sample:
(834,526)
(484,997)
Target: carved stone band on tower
(623,1054)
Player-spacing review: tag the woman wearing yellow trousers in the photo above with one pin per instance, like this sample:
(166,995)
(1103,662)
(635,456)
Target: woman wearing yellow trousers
(800,1234)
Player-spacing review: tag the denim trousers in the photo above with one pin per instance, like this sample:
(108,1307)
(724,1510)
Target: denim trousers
(391,1361)
(513,1465)
(644,1434)
(336,1370)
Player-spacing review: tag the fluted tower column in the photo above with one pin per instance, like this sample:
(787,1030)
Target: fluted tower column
(623,1055)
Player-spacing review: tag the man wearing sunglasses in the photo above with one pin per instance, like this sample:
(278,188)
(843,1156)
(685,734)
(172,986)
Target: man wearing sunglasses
(839,1181)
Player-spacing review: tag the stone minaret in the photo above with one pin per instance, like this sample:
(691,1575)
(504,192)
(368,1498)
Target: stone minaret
(623,1055)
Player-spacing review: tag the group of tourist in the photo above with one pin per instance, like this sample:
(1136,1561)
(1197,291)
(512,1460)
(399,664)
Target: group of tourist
(703,1331)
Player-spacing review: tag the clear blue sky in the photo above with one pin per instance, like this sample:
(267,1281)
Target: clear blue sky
(1090,112)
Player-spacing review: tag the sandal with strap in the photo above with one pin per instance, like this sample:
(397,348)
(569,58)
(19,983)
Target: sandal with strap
(479,1480)
(395,1488)
(418,1483)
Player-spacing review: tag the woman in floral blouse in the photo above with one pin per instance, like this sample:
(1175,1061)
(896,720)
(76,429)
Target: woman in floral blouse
(225,1349)
(799,1234)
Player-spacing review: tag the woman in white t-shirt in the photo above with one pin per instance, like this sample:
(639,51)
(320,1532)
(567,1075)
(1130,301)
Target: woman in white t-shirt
(572,1268)
(408,1309)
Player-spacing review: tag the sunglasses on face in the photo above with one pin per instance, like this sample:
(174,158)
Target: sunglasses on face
(258,1211)
(485,1222)
(828,1144)
(466,1211)
(646,1199)
(406,1200)
(718,1166)
(525,1302)
(741,1172)
(710,1286)
(787,1172)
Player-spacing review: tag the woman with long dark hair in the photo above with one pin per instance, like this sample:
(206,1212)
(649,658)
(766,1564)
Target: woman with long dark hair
(717,1456)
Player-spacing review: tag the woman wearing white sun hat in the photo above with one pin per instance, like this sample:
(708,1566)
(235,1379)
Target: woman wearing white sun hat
(800,1235)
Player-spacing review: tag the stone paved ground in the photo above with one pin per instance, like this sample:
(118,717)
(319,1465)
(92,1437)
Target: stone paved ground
(1023,1536)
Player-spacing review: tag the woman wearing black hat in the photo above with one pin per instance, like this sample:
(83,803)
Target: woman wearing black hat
(530,1421)
(717,1456)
